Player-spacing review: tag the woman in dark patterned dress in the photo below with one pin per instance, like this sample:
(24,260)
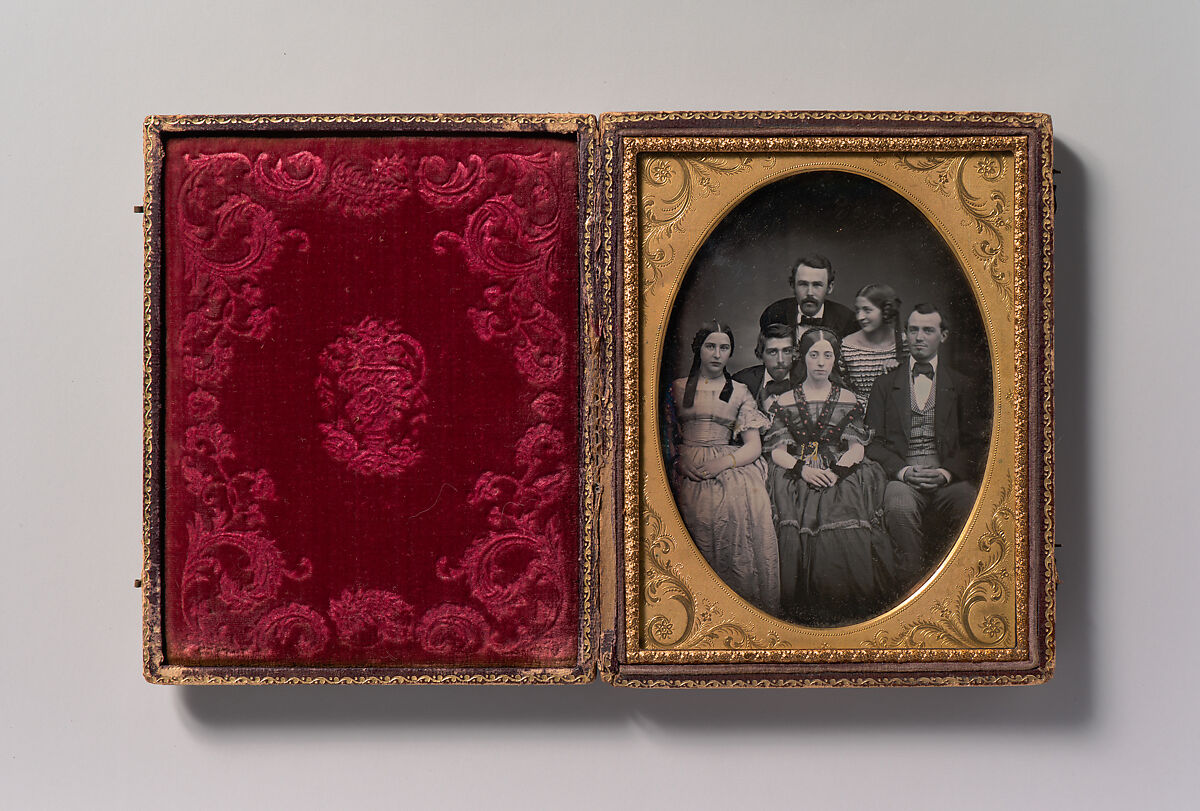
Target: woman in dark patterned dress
(720,486)
(834,555)
(879,346)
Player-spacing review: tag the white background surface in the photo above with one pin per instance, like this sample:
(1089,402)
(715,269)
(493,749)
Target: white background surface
(1116,728)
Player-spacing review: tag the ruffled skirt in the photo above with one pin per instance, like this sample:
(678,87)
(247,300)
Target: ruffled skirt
(835,555)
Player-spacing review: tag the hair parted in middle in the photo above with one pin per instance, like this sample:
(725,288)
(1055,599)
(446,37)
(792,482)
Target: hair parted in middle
(706,329)
(808,340)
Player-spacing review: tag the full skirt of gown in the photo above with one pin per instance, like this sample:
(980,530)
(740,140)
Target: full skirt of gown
(729,518)
(835,557)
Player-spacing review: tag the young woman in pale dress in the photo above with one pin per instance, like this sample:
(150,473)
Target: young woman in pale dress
(877,347)
(719,483)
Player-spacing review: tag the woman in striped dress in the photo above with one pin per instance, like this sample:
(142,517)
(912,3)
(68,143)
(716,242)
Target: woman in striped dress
(878,347)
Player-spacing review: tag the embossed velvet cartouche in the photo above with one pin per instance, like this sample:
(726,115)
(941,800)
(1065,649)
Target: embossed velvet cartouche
(371,424)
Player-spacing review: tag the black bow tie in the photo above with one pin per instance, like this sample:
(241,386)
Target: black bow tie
(777,386)
(922,368)
(810,321)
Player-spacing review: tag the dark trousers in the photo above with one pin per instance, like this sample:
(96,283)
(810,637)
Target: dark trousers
(923,524)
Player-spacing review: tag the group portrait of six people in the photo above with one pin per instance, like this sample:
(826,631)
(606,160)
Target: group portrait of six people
(824,482)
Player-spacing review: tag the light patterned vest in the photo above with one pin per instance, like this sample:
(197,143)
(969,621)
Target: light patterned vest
(922,440)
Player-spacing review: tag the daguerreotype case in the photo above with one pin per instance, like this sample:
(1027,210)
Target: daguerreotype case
(681,399)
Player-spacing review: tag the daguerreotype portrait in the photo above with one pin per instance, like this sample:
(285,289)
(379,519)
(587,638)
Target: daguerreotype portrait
(821,484)
(828,378)
(672,399)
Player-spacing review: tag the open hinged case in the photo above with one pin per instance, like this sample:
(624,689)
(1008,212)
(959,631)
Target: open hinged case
(694,399)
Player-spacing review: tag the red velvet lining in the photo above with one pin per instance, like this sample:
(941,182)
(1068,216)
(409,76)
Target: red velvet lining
(372,371)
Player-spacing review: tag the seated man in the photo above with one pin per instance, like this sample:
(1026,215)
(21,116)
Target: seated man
(770,378)
(927,429)
(811,280)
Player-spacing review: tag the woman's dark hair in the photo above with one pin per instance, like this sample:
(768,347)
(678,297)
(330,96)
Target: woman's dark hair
(811,337)
(706,329)
(885,298)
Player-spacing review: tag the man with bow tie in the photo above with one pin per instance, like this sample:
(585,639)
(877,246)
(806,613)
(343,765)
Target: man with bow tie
(770,378)
(930,438)
(811,280)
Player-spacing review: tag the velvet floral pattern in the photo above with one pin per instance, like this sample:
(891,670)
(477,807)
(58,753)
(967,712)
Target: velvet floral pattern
(370,389)
(372,443)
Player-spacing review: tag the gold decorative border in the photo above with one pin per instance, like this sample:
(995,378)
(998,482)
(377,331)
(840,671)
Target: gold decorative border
(731,634)
(703,173)
(1049,567)
(946,176)
(597,406)
(992,680)
(152,632)
(985,581)
(595,305)
(179,675)
(985,217)
(827,117)
(439,123)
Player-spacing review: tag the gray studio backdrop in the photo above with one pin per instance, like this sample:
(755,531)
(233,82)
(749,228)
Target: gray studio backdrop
(869,233)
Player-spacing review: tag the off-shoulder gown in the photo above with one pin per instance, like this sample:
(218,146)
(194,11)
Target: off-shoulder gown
(835,556)
(729,516)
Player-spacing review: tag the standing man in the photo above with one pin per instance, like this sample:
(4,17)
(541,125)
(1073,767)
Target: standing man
(771,378)
(811,280)
(930,438)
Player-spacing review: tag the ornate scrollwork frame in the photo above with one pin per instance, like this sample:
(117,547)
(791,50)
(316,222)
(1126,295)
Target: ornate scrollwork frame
(986,616)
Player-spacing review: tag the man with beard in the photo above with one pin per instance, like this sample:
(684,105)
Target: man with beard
(770,379)
(811,280)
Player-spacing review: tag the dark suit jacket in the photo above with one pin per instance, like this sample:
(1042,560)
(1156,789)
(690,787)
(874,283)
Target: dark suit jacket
(958,421)
(751,377)
(837,317)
